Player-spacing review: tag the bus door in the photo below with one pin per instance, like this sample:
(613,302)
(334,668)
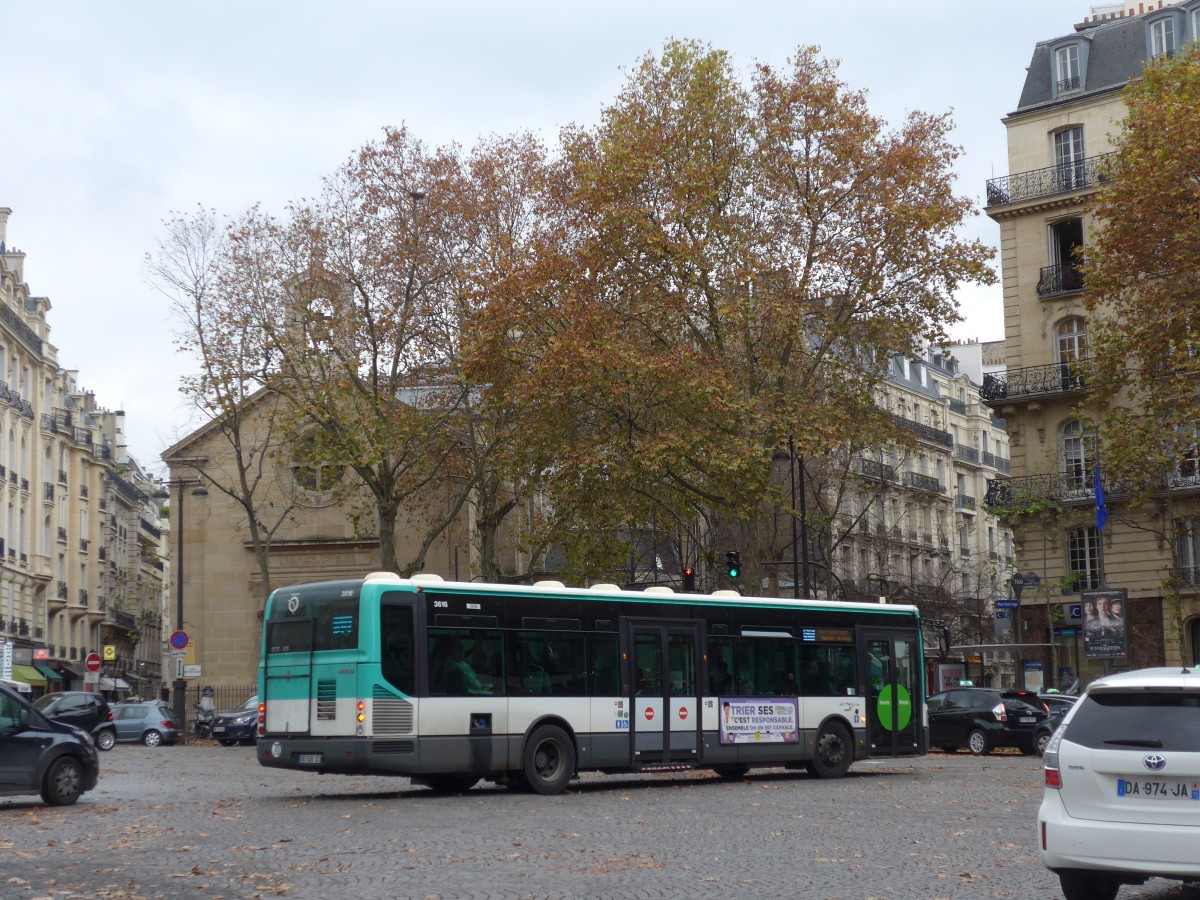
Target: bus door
(893,668)
(287,681)
(665,706)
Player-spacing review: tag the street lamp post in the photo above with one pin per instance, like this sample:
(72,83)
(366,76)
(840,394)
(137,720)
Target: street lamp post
(179,685)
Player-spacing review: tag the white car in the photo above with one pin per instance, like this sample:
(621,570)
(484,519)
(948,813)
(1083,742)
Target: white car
(1122,799)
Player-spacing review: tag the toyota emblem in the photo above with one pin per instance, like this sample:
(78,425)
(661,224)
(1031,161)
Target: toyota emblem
(1155,762)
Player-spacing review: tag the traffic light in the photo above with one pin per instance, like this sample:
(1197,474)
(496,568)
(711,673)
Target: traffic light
(689,580)
(733,563)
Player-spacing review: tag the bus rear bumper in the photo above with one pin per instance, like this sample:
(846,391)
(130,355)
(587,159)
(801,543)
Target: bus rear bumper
(350,756)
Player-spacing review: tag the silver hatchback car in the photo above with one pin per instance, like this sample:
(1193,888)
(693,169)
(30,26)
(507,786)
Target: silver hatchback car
(149,722)
(1122,796)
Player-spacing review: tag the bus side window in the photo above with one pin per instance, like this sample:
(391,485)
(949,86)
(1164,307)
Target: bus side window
(396,646)
(605,667)
(720,670)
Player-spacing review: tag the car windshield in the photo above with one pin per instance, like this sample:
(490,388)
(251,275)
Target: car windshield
(1161,719)
(44,701)
(250,704)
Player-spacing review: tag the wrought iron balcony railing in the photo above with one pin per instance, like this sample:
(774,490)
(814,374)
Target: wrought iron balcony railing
(922,482)
(999,463)
(873,469)
(1060,179)
(1032,381)
(1068,84)
(966,454)
(1063,278)
(925,432)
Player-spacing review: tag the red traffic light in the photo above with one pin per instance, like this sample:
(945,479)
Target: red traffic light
(689,579)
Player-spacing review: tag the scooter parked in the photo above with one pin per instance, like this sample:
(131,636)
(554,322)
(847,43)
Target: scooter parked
(202,724)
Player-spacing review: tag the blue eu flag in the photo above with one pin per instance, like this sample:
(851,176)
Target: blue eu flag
(1101,507)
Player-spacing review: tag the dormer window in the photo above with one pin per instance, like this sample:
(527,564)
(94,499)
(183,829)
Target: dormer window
(1066,61)
(1162,38)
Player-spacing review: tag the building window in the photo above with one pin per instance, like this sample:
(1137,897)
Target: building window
(1187,546)
(1070,349)
(1196,24)
(1083,559)
(1067,66)
(1077,451)
(1068,157)
(1162,38)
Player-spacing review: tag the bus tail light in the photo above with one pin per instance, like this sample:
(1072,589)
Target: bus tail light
(360,717)
(262,718)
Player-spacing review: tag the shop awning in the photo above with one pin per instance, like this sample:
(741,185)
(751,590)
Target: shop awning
(112,684)
(51,675)
(71,672)
(29,675)
(18,686)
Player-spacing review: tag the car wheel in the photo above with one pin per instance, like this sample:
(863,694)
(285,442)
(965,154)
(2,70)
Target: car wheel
(1082,884)
(64,782)
(834,752)
(1041,742)
(549,760)
(977,742)
(152,738)
(106,739)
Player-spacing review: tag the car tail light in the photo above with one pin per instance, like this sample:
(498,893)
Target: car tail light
(1050,761)
(110,718)
(167,723)
(1000,712)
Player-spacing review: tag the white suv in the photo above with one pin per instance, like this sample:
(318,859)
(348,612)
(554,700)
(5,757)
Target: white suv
(1122,800)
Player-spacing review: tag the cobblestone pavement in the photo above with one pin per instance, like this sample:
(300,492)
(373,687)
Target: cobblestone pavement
(207,822)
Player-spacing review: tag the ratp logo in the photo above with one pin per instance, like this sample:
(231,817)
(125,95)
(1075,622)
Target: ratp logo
(293,603)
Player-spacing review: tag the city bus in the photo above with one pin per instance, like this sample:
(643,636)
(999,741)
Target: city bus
(449,683)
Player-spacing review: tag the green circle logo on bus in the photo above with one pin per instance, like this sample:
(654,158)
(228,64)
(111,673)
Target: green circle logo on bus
(895,712)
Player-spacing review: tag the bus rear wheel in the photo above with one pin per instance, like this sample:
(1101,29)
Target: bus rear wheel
(549,761)
(834,752)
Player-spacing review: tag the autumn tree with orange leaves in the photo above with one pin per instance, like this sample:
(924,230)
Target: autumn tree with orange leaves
(728,266)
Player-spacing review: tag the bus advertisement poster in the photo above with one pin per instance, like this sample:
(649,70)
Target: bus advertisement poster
(746,720)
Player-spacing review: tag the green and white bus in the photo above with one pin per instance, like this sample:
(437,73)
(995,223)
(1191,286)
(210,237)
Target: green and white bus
(449,682)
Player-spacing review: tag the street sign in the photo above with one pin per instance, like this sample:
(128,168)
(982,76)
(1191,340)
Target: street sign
(179,640)
(1031,579)
(92,662)
(1007,604)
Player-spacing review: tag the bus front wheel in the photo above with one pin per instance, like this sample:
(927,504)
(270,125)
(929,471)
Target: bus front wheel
(549,760)
(834,752)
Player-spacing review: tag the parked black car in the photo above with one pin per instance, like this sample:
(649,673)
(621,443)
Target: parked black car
(237,725)
(41,756)
(1058,705)
(84,710)
(982,719)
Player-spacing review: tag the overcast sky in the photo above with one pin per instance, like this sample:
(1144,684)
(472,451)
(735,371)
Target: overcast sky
(118,114)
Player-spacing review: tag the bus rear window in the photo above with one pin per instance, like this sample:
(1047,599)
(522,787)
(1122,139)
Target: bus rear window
(333,626)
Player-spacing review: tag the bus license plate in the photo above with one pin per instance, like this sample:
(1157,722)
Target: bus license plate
(310,759)
(1159,790)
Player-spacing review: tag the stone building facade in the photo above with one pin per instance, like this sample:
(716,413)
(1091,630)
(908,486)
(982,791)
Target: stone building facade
(81,560)
(1071,106)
